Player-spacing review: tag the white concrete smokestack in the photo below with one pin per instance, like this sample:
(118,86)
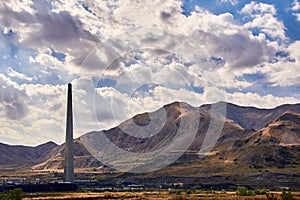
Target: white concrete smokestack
(69,150)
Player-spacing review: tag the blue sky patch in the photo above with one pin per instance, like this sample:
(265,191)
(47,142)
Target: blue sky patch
(60,56)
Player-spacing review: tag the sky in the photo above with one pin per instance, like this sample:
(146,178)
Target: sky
(126,57)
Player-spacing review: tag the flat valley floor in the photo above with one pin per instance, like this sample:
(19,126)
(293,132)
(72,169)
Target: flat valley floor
(154,195)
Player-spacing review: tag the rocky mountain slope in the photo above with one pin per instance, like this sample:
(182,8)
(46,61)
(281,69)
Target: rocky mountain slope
(251,140)
(254,118)
(18,155)
(54,159)
(239,145)
(273,148)
(275,145)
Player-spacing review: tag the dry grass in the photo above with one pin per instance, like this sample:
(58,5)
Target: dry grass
(149,195)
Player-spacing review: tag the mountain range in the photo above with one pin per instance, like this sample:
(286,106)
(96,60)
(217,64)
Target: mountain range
(23,156)
(252,140)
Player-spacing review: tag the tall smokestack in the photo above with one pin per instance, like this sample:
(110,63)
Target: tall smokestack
(69,151)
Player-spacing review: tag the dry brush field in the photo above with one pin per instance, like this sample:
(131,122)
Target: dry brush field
(153,196)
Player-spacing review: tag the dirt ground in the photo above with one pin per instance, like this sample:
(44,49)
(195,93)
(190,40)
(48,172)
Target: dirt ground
(149,195)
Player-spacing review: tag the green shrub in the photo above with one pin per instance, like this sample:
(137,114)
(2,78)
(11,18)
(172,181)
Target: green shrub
(1,196)
(177,192)
(16,194)
(189,192)
(286,195)
(242,191)
(260,192)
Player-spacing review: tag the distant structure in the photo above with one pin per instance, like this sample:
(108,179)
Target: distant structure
(69,150)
